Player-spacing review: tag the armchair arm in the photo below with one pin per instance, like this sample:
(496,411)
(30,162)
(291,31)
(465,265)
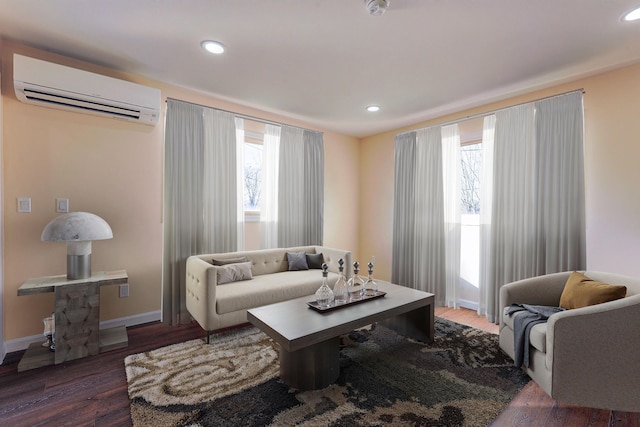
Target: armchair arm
(540,290)
(594,355)
(201,282)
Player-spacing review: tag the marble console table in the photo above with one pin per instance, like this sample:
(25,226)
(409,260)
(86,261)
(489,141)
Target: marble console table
(77,318)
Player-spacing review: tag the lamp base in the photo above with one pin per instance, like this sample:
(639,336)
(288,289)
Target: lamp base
(78,266)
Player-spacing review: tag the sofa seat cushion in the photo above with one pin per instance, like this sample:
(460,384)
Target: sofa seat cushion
(268,289)
(537,336)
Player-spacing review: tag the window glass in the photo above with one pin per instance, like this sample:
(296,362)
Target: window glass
(252,176)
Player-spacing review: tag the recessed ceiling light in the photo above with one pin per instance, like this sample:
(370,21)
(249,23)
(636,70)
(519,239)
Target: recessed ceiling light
(373,108)
(213,47)
(634,15)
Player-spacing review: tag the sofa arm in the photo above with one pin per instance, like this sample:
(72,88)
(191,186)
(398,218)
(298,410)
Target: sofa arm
(594,354)
(540,290)
(201,282)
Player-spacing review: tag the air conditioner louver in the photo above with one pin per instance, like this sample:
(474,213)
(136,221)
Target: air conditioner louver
(56,86)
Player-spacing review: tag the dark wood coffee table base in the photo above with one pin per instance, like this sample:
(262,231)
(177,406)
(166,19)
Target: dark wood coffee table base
(313,367)
(310,341)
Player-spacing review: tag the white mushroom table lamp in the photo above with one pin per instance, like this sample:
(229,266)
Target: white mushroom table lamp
(77,229)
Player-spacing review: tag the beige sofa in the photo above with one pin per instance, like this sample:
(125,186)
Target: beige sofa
(217,306)
(586,356)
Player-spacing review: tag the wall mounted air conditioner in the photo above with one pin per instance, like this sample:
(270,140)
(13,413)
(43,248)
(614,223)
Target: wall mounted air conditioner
(57,86)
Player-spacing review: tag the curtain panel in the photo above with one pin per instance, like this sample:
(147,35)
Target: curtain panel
(452,195)
(426,233)
(292,213)
(404,212)
(200,195)
(429,257)
(313,218)
(537,223)
(183,202)
(291,187)
(220,186)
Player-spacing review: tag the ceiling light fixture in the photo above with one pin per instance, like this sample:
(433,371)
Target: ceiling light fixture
(634,15)
(373,108)
(376,7)
(213,47)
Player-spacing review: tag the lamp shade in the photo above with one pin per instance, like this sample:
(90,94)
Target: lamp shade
(77,227)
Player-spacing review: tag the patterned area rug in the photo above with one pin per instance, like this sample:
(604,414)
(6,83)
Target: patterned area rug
(462,379)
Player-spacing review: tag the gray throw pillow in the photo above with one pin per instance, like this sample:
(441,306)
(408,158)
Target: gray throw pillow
(229,261)
(315,261)
(297,261)
(234,272)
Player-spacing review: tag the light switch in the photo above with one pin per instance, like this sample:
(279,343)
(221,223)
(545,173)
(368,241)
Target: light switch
(62,205)
(24,204)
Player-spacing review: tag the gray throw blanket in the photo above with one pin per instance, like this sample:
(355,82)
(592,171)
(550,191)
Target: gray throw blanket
(522,325)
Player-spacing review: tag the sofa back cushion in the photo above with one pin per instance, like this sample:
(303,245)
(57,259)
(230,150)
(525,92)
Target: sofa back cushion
(263,261)
(632,283)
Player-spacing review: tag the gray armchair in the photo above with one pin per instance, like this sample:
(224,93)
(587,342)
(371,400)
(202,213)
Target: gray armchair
(587,356)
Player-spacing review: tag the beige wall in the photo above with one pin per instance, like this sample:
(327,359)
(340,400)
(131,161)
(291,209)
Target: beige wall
(114,169)
(612,153)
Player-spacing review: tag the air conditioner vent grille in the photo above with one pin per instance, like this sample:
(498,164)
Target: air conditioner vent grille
(68,101)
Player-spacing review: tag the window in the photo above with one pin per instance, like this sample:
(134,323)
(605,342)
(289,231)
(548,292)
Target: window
(252,175)
(471,155)
(471,170)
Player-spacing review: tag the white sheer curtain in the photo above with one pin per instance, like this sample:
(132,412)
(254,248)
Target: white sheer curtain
(200,195)
(486,199)
(451,170)
(270,172)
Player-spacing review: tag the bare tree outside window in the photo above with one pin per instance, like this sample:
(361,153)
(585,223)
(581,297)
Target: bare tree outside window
(470,180)
(252,176)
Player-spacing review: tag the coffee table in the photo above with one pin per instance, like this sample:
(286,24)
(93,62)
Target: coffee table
(310,340)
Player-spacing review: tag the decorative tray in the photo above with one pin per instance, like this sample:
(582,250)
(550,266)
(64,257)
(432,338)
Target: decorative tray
(334,306)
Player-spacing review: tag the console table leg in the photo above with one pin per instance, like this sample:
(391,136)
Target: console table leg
(77,313)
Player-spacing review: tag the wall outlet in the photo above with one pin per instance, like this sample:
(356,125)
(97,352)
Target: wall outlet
(24,204)
(124,290)
(62,205)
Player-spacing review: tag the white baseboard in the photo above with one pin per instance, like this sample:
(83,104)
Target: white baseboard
(137,319)
(471,305)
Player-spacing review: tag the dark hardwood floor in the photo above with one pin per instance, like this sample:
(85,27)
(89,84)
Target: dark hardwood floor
(93,391)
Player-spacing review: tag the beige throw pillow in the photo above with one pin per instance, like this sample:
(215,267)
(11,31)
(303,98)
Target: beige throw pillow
(234,273)
(581,291)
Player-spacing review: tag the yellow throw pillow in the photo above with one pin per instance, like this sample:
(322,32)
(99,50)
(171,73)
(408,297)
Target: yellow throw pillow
(581,291)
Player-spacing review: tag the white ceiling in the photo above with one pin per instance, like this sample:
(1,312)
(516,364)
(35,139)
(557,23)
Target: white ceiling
(323,61)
